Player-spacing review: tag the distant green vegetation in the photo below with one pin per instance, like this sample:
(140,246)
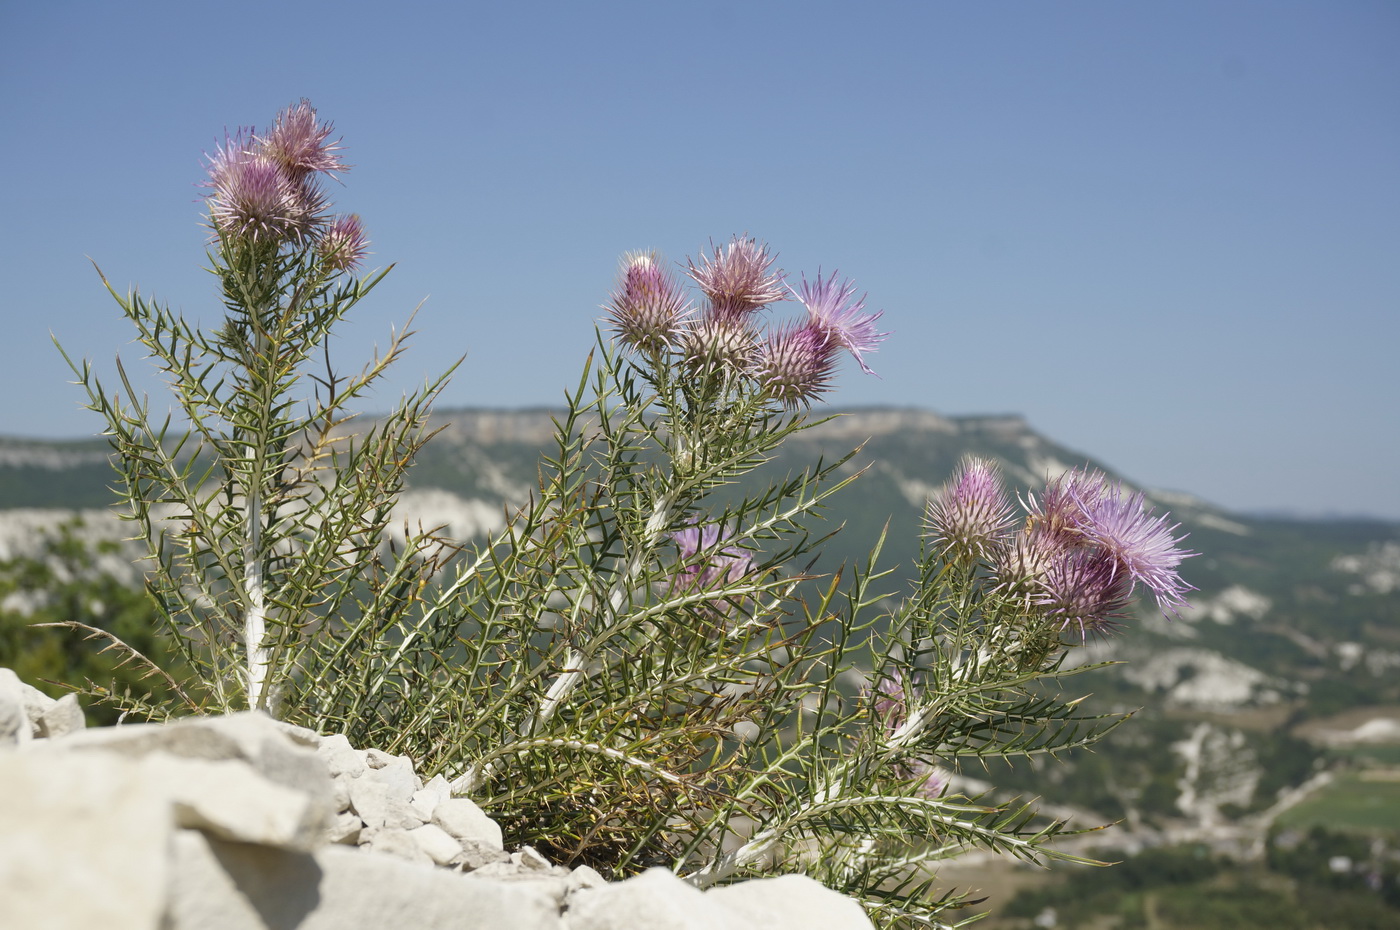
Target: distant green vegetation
(1300,887)
(1358,801)
(60,583)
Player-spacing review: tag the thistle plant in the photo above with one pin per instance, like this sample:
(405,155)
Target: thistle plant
(262,510)
(642,668)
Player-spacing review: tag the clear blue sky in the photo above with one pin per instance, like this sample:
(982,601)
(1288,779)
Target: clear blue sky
(1167,233)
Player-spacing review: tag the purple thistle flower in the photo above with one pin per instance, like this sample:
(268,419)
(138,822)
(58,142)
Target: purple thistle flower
(737,280)
(970,518)
(343,244)
(831,308)
(299,144)
(1060,509)
(796,364)
(646,308)
(932,780)
(1140,542)
(891,701)
(1081,509)
(1084,588)
(253,198)
(703,562)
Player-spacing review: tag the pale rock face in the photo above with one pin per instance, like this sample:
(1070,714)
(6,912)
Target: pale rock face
(654,900)
(84,845)
(1378,568)
(244,823)
(462,819)
(794,901)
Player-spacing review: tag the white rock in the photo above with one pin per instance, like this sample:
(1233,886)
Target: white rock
(15,729)
(84,845)
(250,737)
(461,818)
(791,901)
(398,775)
(377,807)
(436,842)
(434,792)
(340,794)
(654,900)
(345,828)
(585,876)
(393,841)
(34,701)
(232,800)
(530,859)
(476,855)
(64,716)
(230,886)
(341,759)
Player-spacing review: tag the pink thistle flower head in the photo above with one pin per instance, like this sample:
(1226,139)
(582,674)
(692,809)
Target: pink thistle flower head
(931,780)
(705,561)
(890,701)
(647,307)
(1083,589)
(796,363)
(343,244)
(1060,509)
(1022,564)
(1139,542)
(300,144)
(970,517)
(830,307)
(253,198)
(738,279)
(1082,509)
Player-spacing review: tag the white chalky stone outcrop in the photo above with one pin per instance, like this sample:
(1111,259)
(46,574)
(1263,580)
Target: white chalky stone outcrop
(63,717)
(231,886)
(464,820)
(244,823)
(791,901)
(654,900)
(231,800)
(272,749)
(84,845)
(16,727)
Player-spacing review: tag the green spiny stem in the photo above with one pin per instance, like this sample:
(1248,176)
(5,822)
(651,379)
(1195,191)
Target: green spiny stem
(575,665)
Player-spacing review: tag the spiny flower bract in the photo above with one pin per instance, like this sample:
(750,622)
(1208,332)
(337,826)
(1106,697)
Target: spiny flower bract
(647,307)
(796,363)
(971,515)
(344,244)
(1084,590)
(712,344)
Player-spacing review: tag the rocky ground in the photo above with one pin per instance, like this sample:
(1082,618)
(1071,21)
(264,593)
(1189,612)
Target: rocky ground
(244,823)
